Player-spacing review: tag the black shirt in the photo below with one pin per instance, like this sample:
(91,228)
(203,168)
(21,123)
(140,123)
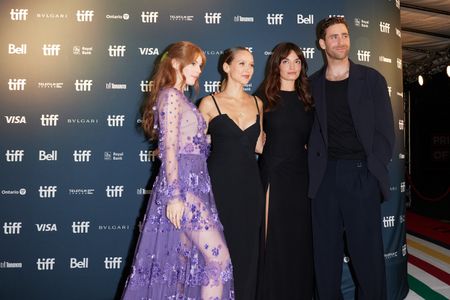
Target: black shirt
(343,141)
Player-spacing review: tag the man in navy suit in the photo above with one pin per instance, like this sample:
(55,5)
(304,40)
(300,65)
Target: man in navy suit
(351,144)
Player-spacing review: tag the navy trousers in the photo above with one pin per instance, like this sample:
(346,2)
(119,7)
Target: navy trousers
(346,212)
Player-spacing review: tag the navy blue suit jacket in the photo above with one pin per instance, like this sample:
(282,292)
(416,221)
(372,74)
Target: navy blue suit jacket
(371,111)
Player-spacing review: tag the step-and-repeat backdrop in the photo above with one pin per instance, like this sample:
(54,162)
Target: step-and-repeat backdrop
(75,168)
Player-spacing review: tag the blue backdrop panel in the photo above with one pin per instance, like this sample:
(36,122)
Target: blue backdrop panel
(75,168)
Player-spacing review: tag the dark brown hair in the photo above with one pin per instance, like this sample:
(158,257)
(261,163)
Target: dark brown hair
(272,82)
(227,57)
(325,23)
(165,76)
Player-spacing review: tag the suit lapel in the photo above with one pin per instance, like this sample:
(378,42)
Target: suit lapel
(321,106)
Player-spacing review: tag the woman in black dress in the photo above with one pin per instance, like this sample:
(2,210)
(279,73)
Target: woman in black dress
(234,122)
(287,262)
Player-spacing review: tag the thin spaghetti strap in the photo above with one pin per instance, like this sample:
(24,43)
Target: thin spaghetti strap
(256,102)
(217,106)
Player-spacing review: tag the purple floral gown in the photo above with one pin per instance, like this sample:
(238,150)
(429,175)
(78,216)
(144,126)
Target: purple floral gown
(191,263)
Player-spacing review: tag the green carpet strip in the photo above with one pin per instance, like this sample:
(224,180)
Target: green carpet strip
(423,290)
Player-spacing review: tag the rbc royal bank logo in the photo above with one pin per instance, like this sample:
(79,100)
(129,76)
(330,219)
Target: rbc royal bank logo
(80,227)
(213,18)
(275,19)
(82,155)
(19,14)
(84,15)
(149,16)
(114,191)
(49,120)
(363,55)
(117,50)
(385,27)
(12,227)
(14,155)
(45,264)
(146,86)
(113,262)
(16,84)
(19,50)
(51,49)
(47,191)
(115,120)
(83,85)
(16,119)
(212,86)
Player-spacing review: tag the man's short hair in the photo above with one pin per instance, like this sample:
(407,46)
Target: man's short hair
(325,23)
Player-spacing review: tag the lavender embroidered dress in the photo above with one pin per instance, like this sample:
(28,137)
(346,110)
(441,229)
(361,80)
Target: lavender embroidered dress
(191,263)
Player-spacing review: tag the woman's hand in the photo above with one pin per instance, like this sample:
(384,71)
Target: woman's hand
(260,142)
(174,212)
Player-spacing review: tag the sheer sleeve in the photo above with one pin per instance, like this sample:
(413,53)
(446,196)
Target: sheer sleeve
(169,118)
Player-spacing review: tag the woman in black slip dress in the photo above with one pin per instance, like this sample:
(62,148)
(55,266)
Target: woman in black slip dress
(287,260)
(234,122)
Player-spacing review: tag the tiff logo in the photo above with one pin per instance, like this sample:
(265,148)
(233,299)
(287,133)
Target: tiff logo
(115,120)
(82,264)
(47,191)
(399,63)
(401,124)
(83,85)
(308,52)
(149,17)
(113,262)
(80,227)
(14,155)
(388,221)
(275,19)
(19,14)
(84,15)
(81,155)
(45,264)
(16,119)
(51,49)
(213,18)
(49,120)
(146,155)
(114,191)
(117,50)
(212,86)
(20,50)
(363,55)
(15,84)
(398,32)
(12,227)
(402,187)
(389,90)
(146,86)
(385,27)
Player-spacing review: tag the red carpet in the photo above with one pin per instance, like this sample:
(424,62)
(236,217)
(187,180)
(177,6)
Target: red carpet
(429,229)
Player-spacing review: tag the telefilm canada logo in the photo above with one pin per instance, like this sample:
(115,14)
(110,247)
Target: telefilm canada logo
(50,85)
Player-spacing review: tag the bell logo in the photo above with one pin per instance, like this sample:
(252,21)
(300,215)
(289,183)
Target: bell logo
(149,17)
(146,156)
(146,86)
(83,85)
(84,15)
(44,156)
(113,262)
(213,18)
(82,264)
(115,120)
(12,227)
(117,50)
(275,19)
(45,264)
(211,86)
(15,84)
(47,191)
(19,14)
(16,119)
(46,227)
(51,49)
(20,50)
(305,20)
(80,227)
(14,155)
(385,27)
(388,221)
(114,191)
(363,55)
(82,155)
(49,120)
